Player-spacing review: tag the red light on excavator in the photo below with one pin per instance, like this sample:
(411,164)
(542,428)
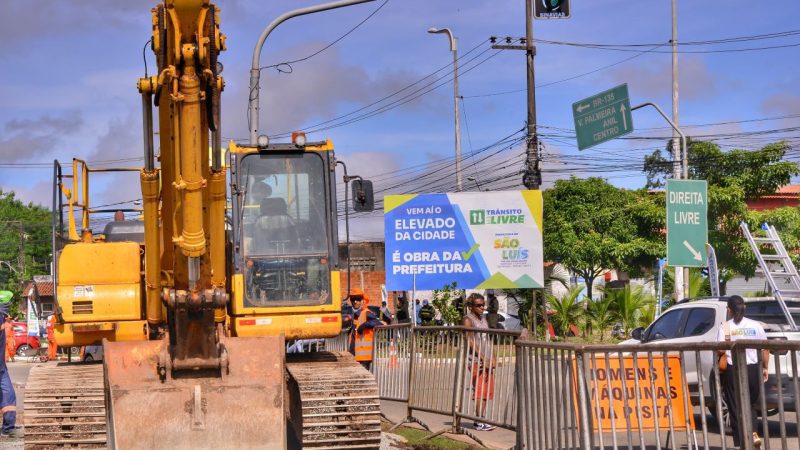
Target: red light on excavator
(299,138)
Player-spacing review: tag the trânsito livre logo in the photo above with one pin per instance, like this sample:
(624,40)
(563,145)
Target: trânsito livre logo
(496,216)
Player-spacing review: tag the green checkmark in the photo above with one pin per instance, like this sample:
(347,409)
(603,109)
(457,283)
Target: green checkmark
(466,255)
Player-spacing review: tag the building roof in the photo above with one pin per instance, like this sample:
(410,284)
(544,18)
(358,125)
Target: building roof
(45,288)
(788,191)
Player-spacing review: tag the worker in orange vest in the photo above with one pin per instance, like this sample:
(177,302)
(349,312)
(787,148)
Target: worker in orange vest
(52,347)
(11,343)
(362,333)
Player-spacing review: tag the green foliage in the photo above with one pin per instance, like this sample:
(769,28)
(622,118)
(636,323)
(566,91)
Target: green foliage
(699,286)
(629,304)
(444,299)
(523,298)
(23,228)
(567,310)
(591,225)
(601,315)
(734,177)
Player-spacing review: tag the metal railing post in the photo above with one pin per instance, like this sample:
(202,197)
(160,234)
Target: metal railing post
(743,396)
(585,430)
(458,386)
(411,366)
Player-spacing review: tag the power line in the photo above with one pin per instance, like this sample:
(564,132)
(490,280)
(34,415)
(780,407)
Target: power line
(539,86)
(305,58)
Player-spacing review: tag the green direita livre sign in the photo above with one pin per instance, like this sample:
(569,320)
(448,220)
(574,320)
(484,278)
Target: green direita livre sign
(687,223)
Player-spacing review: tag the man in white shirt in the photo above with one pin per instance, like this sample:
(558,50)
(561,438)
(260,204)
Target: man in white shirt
(740,327)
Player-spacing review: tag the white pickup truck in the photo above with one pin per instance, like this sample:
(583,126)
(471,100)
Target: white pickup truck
(699,320)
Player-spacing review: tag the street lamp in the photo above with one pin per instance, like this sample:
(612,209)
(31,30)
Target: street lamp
(475,180)
(454,49)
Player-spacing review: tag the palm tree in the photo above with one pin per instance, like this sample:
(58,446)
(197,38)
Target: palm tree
(567,310)
(524,297)
(600,314)
(629,303)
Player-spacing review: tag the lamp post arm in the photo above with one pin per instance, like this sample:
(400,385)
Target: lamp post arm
(677,130)
(255,72)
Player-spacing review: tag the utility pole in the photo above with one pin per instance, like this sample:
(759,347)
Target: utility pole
(532,178)
(680,166)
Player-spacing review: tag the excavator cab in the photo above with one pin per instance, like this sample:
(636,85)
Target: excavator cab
(285,245)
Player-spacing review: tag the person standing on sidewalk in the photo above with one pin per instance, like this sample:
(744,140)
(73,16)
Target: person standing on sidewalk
(52,346)
(740,327)
(362,334)
(11,344)
(480,359)
(8,398)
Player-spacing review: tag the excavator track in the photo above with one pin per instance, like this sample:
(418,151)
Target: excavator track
(334,402)
(65,407)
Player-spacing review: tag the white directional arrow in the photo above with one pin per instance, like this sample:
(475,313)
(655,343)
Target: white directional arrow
(624,119)
(581,108)
(695,253)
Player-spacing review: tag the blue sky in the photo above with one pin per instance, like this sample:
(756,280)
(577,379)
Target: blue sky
(67,87)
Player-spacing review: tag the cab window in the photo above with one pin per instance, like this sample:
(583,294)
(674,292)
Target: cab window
(285,227)
(699,322)
(666,327)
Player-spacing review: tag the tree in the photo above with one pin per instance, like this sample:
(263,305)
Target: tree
(25,242)
(567,310)
(733,177)
(443,301)
(591,225)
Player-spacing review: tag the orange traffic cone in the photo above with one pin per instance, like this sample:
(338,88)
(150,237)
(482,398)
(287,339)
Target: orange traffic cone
(392,355)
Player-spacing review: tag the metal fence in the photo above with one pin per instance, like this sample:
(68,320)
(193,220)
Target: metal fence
(653,396)
(391,361)
(337,344)
(461,372)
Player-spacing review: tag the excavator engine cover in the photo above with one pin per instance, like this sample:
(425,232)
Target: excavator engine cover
(243,409)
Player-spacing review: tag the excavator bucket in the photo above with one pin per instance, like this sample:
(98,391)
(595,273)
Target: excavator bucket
(243,409)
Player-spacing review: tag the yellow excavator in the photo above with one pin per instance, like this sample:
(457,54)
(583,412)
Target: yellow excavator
(194,303)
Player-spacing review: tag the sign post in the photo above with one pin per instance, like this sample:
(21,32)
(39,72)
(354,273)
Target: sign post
(602,117)
(687,223)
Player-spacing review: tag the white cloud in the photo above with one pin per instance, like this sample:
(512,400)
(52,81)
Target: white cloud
(29,139)
(654,80)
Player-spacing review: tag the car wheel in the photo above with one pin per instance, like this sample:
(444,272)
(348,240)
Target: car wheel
(22,350)
(88,358)
(712,405)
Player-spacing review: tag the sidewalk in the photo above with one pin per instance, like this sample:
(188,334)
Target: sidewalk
(497,439)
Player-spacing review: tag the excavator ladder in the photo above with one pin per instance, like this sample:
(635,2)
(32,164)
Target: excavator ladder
(778,268)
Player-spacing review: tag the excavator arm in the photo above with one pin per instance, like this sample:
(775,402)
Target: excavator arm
(190,386)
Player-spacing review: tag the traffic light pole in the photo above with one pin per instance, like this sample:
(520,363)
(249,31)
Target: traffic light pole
(532,178)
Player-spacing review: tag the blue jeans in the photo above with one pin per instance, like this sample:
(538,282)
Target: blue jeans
(8,401)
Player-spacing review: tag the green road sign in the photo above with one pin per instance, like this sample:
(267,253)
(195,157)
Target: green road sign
(602,117)
(687,223)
